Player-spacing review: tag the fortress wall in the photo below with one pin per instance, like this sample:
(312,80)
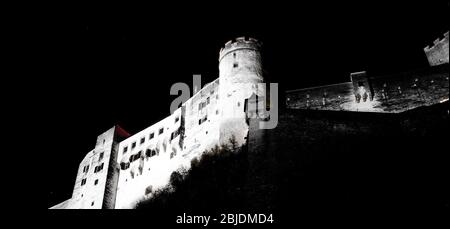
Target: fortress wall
(202,119)
(148,162)
(395,93)
(410,90)
(183,139)
(313,98)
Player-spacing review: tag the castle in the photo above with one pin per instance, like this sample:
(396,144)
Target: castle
(124,169)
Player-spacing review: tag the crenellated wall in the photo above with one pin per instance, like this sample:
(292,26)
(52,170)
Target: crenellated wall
(438,53)
(240,72)
(392,94)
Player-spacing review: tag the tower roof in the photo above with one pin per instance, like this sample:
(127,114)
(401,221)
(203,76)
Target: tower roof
(239,43)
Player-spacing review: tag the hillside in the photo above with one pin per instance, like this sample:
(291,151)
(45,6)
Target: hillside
(341,164)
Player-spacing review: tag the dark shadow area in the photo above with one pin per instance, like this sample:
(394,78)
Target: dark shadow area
(342,166)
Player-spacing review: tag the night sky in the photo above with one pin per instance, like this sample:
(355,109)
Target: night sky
(116,64)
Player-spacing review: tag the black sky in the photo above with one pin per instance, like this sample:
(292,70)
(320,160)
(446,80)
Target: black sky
(116,64)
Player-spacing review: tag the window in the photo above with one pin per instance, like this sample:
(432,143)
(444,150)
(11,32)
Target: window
(142,140)
(101,156)
(239,104)
(150,152)
(235,65)
(135,156)
(234,55)
(217,112)
(92,204)
(133,145)
(207,100)
(161,130)
(83,182)
(176,119)
(152,135)
(98,168)
(200,121)
(103,141)
(175,134)
(124,165)
(96,182)
(125,149)
(85,168)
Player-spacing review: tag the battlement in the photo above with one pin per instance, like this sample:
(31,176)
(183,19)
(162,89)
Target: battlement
(438,53)
(239,43)
(437,42)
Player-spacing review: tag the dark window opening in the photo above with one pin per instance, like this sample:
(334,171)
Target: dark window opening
(92,204)
(175,134)
(150,152)
(125,149)
(124,165)
(101,156)
(235,65)
(133,145)
(200,121)
(152,135)
(135,156)
(142,140)
(96,182)
(360,84)
(161,130)
(98,168)
(83,182)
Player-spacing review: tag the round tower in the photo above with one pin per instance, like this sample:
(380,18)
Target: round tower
(240,71)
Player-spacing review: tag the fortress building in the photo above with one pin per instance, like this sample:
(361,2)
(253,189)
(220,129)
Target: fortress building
(124,169)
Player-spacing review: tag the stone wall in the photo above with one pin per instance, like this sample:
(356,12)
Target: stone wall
(391,94)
